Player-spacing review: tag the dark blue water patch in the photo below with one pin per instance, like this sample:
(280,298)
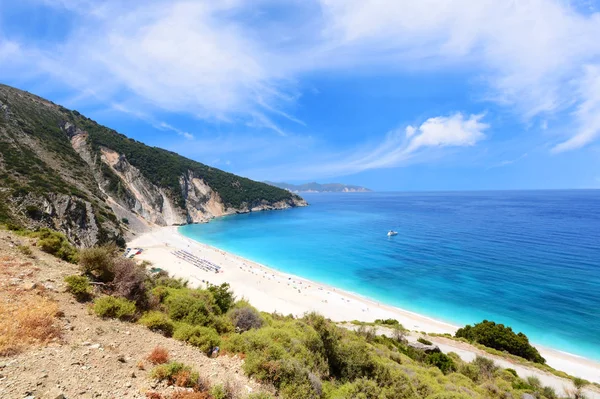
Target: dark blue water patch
(529,259)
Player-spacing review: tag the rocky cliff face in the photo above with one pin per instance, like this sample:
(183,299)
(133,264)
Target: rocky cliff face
(62,170)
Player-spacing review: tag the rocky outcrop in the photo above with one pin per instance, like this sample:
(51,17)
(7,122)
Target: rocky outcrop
(423,347)
(68,214)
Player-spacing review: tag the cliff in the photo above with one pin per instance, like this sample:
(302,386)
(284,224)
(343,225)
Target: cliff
(62,170)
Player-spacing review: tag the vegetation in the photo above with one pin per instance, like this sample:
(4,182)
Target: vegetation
(502,338)
(159,355)
(159,322)
(113,307)
(165,168)
(79,286)
(424,341)
(308,357)
(56,244)
(29,321)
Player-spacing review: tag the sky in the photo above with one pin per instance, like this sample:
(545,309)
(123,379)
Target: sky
(391,95)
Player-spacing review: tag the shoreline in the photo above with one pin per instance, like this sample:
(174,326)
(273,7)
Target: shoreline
(270,290)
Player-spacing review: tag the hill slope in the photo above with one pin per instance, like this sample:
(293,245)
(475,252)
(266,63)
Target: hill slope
(65,171)
(320,188)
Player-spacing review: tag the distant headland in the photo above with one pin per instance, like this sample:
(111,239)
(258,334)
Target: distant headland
(320,188)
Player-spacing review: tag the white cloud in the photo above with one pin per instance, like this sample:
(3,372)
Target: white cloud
(452,131)
(397,149)
(220,62)
(529,52)
(587,114)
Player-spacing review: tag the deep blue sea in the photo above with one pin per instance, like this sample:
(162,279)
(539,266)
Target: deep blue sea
(528,259)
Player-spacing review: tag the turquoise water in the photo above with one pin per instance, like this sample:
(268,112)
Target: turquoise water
(529,259)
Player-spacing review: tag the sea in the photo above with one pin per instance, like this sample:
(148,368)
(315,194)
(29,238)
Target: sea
(527,259)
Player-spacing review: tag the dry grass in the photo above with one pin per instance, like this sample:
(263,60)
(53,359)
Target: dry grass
(28,321)
(159,355)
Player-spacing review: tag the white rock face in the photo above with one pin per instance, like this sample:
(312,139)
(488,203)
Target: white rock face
(146,205)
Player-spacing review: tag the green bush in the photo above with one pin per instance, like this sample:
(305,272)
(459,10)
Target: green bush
(56,244)
(441,361)
(223,296)
(388,322)
(176,373)
(204,338)
(112,307)
(79,287)
(99,262)
(425,341)
(25,250)
(195,307)
(502,338)
(159,322)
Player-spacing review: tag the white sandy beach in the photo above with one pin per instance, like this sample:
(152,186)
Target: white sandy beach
(273,291)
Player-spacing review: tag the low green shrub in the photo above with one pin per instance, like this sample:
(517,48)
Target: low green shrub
(388,322)
(223,296)
(25,250)
(79,287)
(159,322)
(56,244)
(99,262)
(424,341)
(205,338)
(502,338)
(195,307)
(116,308)
(175,373)
(442,362)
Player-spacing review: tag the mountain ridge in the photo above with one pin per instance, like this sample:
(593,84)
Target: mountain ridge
(62,170)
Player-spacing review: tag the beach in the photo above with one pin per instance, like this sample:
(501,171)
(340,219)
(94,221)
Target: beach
(273,291)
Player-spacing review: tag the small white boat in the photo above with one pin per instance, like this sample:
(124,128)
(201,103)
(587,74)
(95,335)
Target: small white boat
(392,233)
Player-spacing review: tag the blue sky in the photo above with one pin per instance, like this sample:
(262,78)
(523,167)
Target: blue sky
(392,95)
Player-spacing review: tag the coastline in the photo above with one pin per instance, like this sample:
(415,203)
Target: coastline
(274,291)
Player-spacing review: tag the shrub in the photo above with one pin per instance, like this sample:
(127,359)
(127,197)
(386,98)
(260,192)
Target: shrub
(25,250)
(223,296)
(223,324)
(191,306)
(159,322)
(512,371)
(502,338)
(56,244)
(424,341)
(486,367)
(79,287)
(129,281)
(245,318)
(117,308)
(159,355)
(441,361)
(125,220)
(388,322)
(99,262)
(176,373)
(205,338)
